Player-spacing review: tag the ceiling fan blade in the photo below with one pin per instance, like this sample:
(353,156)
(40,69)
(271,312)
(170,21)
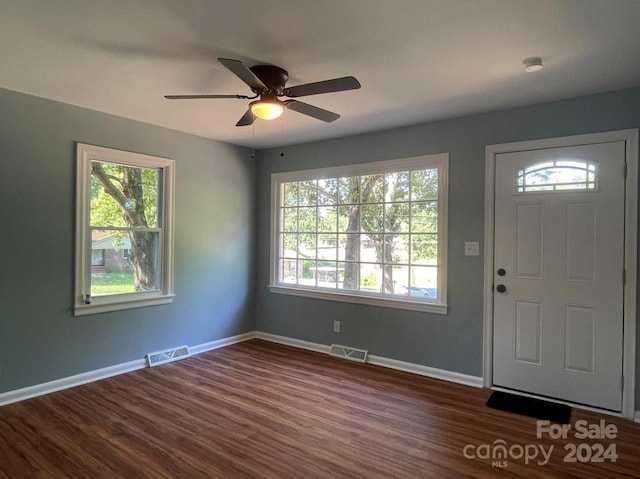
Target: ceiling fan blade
(313,111)
(200,97)
(247,119)
(241,71)
(326,86)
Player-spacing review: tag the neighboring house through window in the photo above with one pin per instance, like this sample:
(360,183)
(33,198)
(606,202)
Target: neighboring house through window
(124,204)
(97,257)
(373,233)
(112,248)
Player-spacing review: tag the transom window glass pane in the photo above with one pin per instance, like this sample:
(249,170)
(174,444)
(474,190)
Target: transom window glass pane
(558,175)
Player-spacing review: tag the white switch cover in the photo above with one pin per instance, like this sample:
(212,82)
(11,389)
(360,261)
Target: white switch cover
(471,248)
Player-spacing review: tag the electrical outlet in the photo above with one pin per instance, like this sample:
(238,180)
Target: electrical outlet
(336,326)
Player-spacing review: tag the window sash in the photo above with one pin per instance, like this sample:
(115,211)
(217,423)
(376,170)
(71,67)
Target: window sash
(123,296)
(282,201)
(84,303)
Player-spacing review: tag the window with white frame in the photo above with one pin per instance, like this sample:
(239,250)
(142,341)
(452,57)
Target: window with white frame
(124,202)
(373,233)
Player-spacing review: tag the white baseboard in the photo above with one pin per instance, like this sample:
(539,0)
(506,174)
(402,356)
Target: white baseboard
(298,343)
(637,417)
(420,369)
(221,343)
(90,376)
(451,376)
(70,382)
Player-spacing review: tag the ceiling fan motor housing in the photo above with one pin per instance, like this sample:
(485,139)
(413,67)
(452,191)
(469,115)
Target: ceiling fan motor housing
(274,78)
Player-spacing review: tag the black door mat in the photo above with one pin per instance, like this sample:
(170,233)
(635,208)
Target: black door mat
(556,413)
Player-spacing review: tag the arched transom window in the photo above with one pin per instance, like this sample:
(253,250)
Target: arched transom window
(558,175)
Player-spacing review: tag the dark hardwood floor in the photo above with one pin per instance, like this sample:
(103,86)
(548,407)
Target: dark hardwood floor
(261,410)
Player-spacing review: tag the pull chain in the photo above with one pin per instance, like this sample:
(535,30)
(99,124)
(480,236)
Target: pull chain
(253,140)
(282,131)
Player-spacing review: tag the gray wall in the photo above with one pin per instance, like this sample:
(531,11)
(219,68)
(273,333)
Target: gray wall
(453,342)
(40,339)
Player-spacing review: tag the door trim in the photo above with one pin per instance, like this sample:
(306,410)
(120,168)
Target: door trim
(630,137)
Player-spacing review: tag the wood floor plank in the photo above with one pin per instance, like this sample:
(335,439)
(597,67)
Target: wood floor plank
(260,410)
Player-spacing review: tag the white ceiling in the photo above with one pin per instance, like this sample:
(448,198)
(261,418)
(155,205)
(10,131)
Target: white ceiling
(417,60)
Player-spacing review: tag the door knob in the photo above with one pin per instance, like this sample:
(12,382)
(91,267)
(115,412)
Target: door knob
(501,288)
(501,272)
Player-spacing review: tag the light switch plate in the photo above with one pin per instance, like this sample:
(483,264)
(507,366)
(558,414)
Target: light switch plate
(471,248)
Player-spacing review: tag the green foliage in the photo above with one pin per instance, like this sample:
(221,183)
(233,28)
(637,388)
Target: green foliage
(370,279)
(127,196)
(386,207)
(106,211)
(112,283)
(306,269)
(290,244)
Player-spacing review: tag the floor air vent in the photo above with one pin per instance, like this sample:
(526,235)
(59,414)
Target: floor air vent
(345,352)
(162,357)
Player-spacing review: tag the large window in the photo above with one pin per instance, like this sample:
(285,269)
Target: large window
(124,225)
(372,233)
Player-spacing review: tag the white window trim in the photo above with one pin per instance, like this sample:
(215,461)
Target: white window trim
(440,161)
(99,304)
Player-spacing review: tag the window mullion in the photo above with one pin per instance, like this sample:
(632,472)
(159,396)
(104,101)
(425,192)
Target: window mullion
(359,243)
(298,260)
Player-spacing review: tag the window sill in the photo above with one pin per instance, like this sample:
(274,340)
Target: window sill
(121,304)
(436,308)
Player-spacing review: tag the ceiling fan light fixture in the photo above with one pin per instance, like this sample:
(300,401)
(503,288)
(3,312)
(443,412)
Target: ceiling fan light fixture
(267,109)
(532,64)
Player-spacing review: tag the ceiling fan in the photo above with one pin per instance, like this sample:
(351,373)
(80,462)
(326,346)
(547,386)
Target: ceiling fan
(268,82)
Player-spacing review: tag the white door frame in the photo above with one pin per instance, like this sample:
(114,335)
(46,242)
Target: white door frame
(630,247)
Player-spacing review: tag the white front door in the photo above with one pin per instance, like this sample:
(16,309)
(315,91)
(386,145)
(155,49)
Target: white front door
(558,273)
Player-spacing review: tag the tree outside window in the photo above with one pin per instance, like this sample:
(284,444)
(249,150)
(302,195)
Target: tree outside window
(378,234)
(124,202)
(125,214)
